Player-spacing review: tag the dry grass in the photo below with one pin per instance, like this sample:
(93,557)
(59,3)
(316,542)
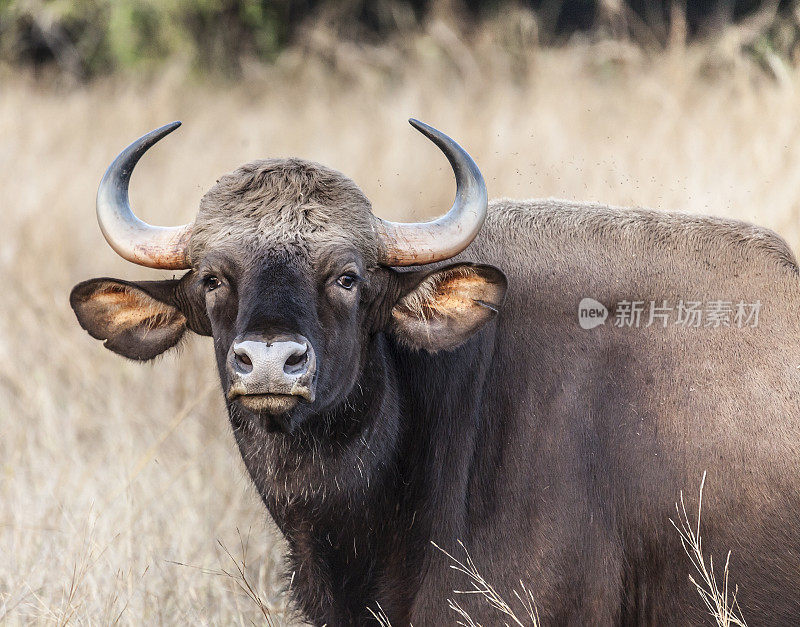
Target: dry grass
(525,615)
(115,475)
(719,600)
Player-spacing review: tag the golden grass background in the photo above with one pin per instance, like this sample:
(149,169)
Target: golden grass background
(120,482)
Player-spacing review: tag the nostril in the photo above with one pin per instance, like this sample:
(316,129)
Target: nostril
(296,362)
(295,359)
(243,362)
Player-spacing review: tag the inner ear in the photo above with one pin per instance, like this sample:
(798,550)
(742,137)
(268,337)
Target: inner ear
(135,320)
(448,306)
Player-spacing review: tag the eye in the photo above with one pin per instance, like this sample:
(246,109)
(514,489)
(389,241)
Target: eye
(211,283)
(347,281)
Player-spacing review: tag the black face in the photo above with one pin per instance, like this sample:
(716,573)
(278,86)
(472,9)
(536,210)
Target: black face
(289,332)
(291,327)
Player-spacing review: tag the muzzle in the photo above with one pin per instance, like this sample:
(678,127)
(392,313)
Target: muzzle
(272,371)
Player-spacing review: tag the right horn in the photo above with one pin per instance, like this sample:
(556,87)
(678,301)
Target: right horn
(153,246)
(418,243)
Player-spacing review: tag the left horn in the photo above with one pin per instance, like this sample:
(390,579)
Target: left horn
(418,243)
(137,241)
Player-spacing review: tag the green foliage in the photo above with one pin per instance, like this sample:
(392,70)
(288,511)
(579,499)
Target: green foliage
(89,37)
(85,38)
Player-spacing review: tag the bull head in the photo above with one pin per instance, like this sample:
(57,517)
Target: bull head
(292,274)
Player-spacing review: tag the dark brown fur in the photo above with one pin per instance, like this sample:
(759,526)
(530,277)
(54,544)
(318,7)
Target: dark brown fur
(555,454)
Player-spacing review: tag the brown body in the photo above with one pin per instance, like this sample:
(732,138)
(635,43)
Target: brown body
(464,402)
(602,429)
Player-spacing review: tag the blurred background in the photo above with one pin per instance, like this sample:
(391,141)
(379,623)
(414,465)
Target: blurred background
(122,496)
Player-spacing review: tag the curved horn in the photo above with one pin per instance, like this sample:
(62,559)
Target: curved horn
(137,241)
(417,243)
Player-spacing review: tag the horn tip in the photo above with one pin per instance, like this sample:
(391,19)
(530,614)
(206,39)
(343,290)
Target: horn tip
(160,133)
(156,135)
(431,133)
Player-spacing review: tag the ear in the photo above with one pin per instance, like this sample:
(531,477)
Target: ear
(448,305)
(136,320)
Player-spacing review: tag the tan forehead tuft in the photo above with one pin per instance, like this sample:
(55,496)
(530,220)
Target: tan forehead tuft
(283,201)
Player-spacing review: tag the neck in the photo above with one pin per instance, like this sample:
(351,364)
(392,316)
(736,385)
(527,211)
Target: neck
(340,495)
